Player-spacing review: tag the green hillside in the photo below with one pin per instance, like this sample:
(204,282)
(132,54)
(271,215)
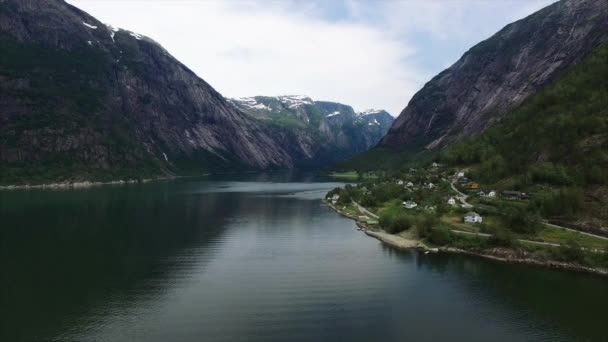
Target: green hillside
(554,145)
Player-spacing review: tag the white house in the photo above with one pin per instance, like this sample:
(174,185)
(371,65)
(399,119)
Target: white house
(451,201)
(492,193)
(409,204)
(460,174)
(335,198)
(400,182)
(409,184)
(472,218)
(430,186)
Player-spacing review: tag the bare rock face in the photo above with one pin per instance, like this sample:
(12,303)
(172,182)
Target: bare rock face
(79,99)
(332,131)
(499,73)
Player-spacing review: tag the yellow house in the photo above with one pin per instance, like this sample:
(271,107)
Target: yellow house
(472,186)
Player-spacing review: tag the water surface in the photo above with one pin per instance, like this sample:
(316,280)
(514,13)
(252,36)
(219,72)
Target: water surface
(257,258)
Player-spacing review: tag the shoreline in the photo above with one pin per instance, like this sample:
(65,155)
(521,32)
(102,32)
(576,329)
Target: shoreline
(497,254)
(82,184)
(89,183)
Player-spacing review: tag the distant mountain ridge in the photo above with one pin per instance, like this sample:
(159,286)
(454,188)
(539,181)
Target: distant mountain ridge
(336,130)
(498,74)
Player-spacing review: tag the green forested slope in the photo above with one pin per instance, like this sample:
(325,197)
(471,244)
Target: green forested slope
(555,143)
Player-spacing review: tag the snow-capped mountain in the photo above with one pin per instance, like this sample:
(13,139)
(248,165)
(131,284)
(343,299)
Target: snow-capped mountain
(338,131)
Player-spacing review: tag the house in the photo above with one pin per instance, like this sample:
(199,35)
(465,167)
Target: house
(491,193)
(472,218)
(451,201)
(460,174)
(515,195)
(482,194)
(430,186)
(463,180)
(400,182)
(409,204)
(472,186)
(335,198)
(409,184)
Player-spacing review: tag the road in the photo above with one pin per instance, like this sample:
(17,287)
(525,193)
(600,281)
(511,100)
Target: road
(550,244)
(365,211)
(462,197)
(576,231)
(520,240)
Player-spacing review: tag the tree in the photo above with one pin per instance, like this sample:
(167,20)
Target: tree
(521,221)
(440,236)
(426,223)
(395,223)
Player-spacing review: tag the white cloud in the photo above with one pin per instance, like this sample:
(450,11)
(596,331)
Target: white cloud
(369,56)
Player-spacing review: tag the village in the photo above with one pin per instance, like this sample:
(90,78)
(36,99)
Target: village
(426,190)
(441,206)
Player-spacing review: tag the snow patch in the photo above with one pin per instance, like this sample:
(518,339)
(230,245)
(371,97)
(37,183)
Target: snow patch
(251,102)
(166,159)
(90,42)
(90,26)
(369,112)
(333,114)
(136,35)
(295,101)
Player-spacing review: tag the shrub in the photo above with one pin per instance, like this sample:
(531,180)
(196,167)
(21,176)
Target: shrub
(426,223)
(395,222)
(502,238)
(440,236)
(569,252)
(400,223)
(521,221)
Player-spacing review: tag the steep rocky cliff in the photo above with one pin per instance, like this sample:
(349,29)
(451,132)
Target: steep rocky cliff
(81,100)
(498,74)
(334,130)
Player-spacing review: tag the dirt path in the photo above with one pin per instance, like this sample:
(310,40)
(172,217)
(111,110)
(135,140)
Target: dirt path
(363,210)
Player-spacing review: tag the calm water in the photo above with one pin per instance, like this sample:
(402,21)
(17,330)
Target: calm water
(257,258)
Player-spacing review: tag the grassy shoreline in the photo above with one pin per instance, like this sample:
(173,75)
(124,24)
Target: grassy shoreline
(501,254)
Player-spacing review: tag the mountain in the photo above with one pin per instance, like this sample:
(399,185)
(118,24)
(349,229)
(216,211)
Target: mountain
(554,146)
(498,74)
(336,131)
(81,100)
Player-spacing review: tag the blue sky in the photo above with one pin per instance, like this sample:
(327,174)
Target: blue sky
(368,54)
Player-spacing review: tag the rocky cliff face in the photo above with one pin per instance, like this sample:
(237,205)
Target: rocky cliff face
(499,73)
(333,131)
(81,100)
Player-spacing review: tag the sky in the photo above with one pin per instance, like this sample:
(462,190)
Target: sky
(367,54)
